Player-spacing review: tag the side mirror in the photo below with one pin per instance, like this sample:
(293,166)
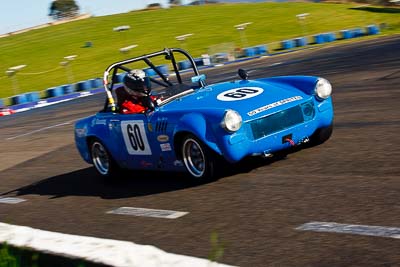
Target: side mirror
(199,78)
(243,74)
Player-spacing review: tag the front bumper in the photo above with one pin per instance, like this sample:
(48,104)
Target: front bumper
(267,135)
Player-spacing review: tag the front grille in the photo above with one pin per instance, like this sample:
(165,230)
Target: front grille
(282,120)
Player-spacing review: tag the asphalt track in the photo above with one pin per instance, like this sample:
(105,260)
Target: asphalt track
(354,178)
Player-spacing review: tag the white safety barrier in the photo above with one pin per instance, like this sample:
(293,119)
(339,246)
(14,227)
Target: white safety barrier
(97,250)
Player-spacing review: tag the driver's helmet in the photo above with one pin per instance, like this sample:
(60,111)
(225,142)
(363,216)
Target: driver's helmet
(135,83)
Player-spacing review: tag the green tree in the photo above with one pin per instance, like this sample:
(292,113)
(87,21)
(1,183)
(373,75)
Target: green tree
(61,9)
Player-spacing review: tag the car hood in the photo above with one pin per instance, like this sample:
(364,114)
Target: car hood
(251,98)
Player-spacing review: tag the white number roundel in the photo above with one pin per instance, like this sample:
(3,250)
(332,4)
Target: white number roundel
(240,93)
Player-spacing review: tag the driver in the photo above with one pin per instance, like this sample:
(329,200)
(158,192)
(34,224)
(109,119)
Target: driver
(134,95)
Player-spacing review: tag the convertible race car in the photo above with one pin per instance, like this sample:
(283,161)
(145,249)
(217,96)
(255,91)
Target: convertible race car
(191,125)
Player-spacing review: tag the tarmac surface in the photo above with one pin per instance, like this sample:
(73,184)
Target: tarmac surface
(251,214)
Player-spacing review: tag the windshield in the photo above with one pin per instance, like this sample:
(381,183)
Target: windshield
(168,73)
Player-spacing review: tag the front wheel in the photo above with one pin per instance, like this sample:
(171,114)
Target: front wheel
(321,135)
(199,160)
(102,160)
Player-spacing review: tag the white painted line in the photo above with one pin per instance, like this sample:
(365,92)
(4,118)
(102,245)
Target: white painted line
(11,200)
(355,229)
(104,251)
(165,214)
(40,130)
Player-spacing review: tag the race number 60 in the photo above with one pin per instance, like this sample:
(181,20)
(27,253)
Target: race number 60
(135,138)
(240,93)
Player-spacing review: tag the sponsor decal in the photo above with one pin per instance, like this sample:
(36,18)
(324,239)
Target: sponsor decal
(178,163)
(240,93)
(274,105)
(145,164)
(165,147)
(80,132)
(150,127)
(96,121)
(162,138)
(101,122)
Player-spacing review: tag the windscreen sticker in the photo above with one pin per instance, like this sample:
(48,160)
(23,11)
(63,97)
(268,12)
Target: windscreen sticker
(240,93)
(135,137)
(274,105)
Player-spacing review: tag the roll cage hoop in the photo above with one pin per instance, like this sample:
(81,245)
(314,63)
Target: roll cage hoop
(121,65)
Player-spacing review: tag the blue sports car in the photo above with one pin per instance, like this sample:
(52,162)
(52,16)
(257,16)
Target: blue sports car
(191,125)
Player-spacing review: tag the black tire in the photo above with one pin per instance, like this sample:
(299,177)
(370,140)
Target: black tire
(102,160)
(321,135)
(199,159)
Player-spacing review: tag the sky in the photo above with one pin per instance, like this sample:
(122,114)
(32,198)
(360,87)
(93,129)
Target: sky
(21,14)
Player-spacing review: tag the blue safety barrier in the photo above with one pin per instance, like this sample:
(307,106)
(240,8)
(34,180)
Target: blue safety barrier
(261,49)
(184,64)
(329,37)
(83,86)
(18,99)
(149,72)
(287,44)
(249,52)
(372,29)
(357,32)
(346,34)
(67,89)
(95,83)
(54,91)
(32,96)
(163,69)
(119,77)
(199,61)
(1,103)
(319,38)
(301,41)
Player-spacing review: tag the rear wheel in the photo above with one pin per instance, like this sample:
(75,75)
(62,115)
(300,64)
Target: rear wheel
(199,160)
(102,160)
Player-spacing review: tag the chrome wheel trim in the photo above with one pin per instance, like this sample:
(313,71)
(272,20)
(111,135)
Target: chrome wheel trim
(100,158)
(193,157)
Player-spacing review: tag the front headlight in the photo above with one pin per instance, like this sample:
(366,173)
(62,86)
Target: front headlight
(232,121)
(323,89)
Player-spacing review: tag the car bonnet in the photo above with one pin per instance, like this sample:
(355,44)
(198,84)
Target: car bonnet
(251,98)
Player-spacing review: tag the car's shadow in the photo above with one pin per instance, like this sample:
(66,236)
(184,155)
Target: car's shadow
(86,182)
